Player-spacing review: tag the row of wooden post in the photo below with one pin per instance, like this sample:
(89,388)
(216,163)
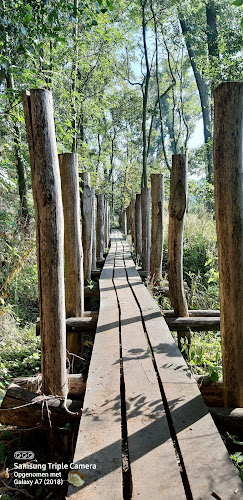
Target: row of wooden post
(136,222)
(56,193)
(228,180)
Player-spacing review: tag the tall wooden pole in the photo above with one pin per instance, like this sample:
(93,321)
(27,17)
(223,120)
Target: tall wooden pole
(124,222)
(74,284)
(157,194)
(177,208)
(93,229)
(87,223)
(138,225)
(228,167)
(133,229)
(38,110)
(145,209)
(108,223)
(100,226)
(105,224)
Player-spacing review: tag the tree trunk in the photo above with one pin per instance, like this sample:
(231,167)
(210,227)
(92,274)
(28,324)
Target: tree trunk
(228,131)
(38,109)
(157,193)
(22,183)
(204,93)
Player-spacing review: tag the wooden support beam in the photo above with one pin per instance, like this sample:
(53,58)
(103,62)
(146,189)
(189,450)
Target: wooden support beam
(93,230)
(74,283)
(228,164)
(76,384)
(105,224)
(27,409)
(124,222)
(194,313)
(228,420)
(133,227)
(86,203)
(76,325)
(212,392)
(91,293)
(195,324)
(138,226)
(100,227)
(177,209)
(46,183)
(145,210)
(95,274)
(157,195)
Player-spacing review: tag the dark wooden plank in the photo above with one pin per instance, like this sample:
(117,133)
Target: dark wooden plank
(194,313)
(196,324)
(206,460)
(99,437)
(154,468)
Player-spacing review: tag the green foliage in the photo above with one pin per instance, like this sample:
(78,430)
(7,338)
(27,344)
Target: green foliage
(19,349)
(204,354)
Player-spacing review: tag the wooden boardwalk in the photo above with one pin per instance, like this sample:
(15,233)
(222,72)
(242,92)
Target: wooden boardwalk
(145,432)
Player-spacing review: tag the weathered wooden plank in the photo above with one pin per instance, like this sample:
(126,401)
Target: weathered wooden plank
(196,324)
(99,437)
(208,467)
(194,313)
(76,325)
(154,468)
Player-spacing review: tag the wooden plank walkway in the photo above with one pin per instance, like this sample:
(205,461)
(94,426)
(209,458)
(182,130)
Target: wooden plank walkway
(144,425)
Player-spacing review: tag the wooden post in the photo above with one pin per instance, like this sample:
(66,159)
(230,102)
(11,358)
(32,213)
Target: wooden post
(108,223)
(145,210)
(38,110)
(87,223)
(138,225)
(93,230)
(100,226)
(124,222)
(74,284)
(157,193)
(133,230)
(177,208)
(105,225)
(228,165)
(128,221)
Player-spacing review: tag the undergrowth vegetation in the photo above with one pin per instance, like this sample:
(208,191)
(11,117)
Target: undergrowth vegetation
(200,266)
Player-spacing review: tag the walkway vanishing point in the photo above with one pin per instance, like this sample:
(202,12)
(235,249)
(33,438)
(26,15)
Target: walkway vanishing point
(144,426)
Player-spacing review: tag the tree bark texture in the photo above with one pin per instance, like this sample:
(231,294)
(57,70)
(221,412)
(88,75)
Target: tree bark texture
(204,93)
(228,161)
(38,109)
(145,210)
(157,194)
(87,223)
